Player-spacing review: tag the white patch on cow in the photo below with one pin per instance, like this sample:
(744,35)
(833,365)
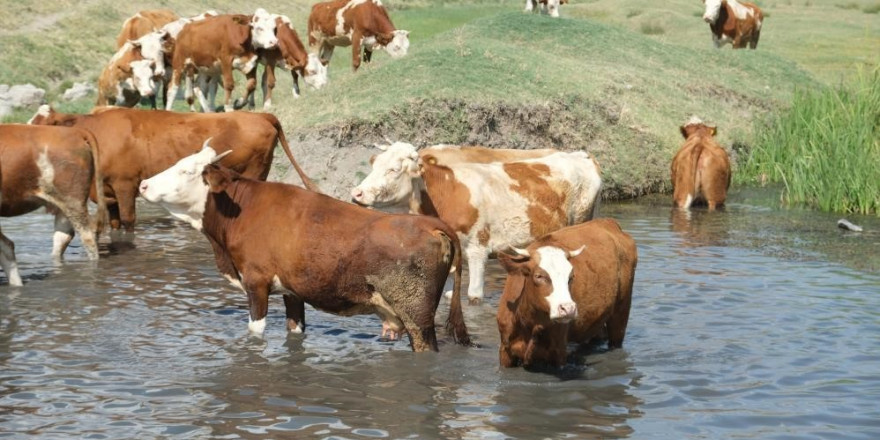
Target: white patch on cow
(529,5)
(151,47)
(257,327)
(390,319)
(553,7)
(555,262)
(688,201)
(180,189)
(297,330)
(60,241)
(263,30)
(142,77)
(740,11)
(315,73)
(713,10)
(46,181)
(399,44)
(245,64)
(276,285)
(43,111)
(390,181)
(235,282)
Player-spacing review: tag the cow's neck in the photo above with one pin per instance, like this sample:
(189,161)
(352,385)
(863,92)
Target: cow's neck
(420,202)
(222,209)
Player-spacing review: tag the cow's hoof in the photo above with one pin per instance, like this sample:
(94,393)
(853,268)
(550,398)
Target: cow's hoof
(448,294)
(475,301)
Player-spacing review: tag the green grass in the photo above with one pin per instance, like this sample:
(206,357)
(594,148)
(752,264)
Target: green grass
(825,149)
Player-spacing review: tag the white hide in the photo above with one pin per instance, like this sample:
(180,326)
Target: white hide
(263,30)
(399,44)
(713,9)
(151,46)
(44,110)
(141,79)
(390,181)
(315,73)
(555,262)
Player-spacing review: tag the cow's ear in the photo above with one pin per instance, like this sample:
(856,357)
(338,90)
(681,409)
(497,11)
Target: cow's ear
(124,68)
(241,19)
(217,181)
(714,130)
(683,131)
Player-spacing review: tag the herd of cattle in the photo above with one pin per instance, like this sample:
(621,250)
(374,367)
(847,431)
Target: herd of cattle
(569,274)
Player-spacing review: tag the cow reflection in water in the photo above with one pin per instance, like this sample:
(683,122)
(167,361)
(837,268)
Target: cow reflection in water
(699,227)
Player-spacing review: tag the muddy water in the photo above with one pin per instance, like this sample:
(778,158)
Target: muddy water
(751,323)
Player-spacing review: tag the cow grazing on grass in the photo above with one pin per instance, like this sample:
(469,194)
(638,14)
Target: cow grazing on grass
(492,206)
(338,257)
(7,250)
(572,285)
(216,45)
(132,71)
(354,23)
(143,23)
(731,21)
(137,144)
(52,167)
(701,168)
(547,6)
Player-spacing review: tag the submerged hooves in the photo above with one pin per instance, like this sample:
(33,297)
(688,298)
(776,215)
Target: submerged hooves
(475,301)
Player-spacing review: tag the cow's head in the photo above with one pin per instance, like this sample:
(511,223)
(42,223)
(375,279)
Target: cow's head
(713,9)
(696,125)
(399,44)
(140,76)
(540,277)
(44,116)
(153,47)
(181,189)
(315,73)
(263,30)
(390,181)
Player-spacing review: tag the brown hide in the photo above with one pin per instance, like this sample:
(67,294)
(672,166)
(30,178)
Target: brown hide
(143,23)
(700,169)
(601,287)
(364,20)
(741,32)
(73,157)
(290,50)
(136,144)
(332,255)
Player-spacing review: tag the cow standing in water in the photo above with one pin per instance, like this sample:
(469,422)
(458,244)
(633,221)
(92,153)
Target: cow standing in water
(701,168)
(7,251)
(271,237)
(734,22)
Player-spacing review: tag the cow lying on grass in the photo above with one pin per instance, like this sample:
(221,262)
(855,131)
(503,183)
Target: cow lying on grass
(338,257)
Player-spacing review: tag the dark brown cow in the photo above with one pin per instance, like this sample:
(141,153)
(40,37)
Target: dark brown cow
(136,144)
(223,43)
(338,257)
(53,167)
(701,168)
(143,23)
(7,250)
(572,285)
(731,21)
(354,23)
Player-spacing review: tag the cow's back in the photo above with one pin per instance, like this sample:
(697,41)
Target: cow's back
(202,42)
(452,154)
(322,19)
(143,23)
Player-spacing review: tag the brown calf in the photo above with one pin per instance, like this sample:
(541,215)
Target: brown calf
(701,168)
(574,284)
(53,167)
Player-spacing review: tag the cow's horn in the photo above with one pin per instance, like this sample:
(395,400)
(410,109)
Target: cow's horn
(205,145)
(576,252)
(390,142)
(220,156)
(381,147)
(519,251)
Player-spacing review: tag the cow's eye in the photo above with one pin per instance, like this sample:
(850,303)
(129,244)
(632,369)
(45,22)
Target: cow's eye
(393,171)
(540,279)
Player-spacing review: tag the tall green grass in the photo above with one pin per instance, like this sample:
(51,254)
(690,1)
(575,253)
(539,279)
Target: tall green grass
(825,148)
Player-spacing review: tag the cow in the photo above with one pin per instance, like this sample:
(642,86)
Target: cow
(491,206)
(55,168)
(218,45)
(136,144)
(734,22)
(354,23)
(132,70)
(572,285)
(7,250)
(272,237)
(701,168)
(290,54)
(143,23)
(547,6)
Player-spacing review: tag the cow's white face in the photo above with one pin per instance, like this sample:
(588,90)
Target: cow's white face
(399,44)
(390,181)
(142,77)
(152,47)
(263,30)
(315,73)
(555,265)
(180,189)
(713,9)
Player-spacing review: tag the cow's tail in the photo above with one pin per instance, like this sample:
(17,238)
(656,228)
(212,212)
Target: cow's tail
(311,186)
(455,322)
(101,213)
(695,155)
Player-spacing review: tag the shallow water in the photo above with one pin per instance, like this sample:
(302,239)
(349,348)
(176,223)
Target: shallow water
(749,323)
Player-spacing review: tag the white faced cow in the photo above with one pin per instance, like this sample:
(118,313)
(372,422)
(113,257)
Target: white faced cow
(734,22)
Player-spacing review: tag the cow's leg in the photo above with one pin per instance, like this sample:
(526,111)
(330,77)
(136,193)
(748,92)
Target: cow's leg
(356,50)
(172,91)
(295,77)
(477,255)
(368,55)
(326,52)
(753,42)
(529,5)
(228,85)
(7,261)
(125,196)
(258,306)
(268,83)
(295,309)
(63,235)
(203,84)
(77,216)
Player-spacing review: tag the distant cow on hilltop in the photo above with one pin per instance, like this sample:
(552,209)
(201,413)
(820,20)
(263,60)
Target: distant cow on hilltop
(734,22)
(547,6)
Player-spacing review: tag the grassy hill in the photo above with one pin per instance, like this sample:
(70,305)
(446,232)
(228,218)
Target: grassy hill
(614,77)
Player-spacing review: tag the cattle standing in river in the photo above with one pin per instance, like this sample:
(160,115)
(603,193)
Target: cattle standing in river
(492,206)
(53,167)
(136,144)
(7,250)
(354,23)
(338,257)
(572,285)
(734,22)
(701,168)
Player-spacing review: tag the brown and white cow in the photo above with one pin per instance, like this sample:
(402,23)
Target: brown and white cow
(735,22)
(7,250)
(136,144)
(354,23)
(53,167)
(132,71)
(143,23)
(216,45)
(271,237)
(547,6)
(701,168)
(491,206)
(572,285)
